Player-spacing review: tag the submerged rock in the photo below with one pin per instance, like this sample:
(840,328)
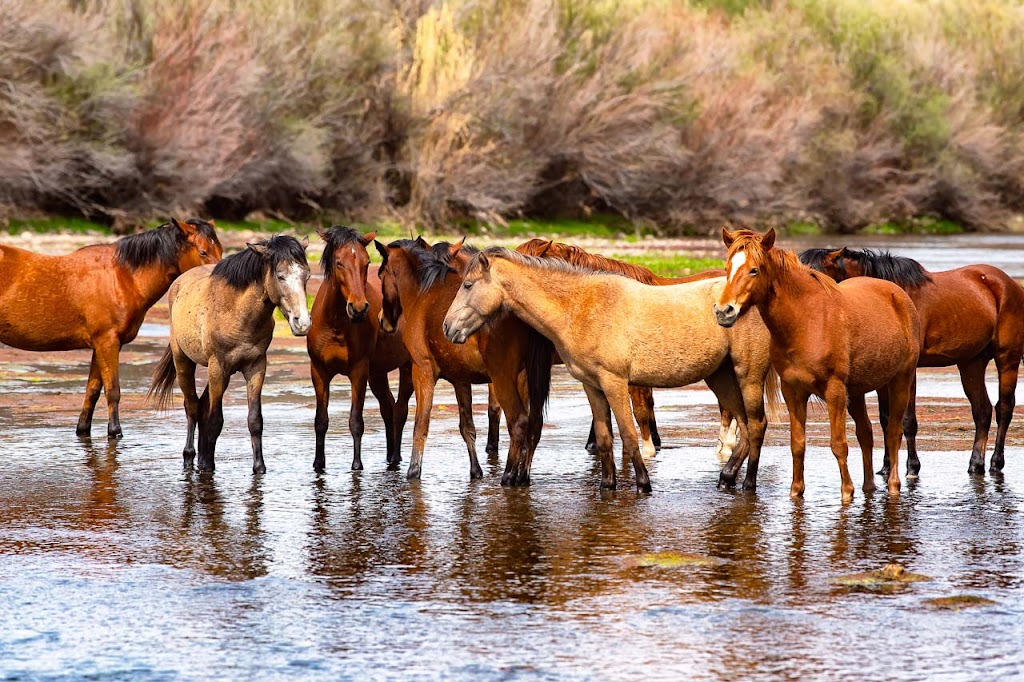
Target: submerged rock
(889,577)
(958,602)
(671,560)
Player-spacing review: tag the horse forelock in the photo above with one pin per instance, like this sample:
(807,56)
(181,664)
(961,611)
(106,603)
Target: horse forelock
(335,237)
(777,261)
(432,264)
(247,267)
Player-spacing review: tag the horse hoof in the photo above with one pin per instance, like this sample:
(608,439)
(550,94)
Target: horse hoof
(475,473)
(84,431)
(750,486)
(115,435)
(725,481)
(357,465)
(912,476)
(884,473)
(413,474)
(261,469)
(591,448)
(995,468)
(976,469)
(644,487)
(491,452)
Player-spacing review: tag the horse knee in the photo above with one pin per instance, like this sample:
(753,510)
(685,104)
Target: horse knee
(355,424)
(255,424)
(321,422)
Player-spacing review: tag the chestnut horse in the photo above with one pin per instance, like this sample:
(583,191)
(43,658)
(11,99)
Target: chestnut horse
(344,338)
(833,341)
(642,397)
(418,284)
(97,297)
(612,331)
(222,317)
(969,316)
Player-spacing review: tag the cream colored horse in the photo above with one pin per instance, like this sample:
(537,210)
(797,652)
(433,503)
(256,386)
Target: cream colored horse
(222,317)
(612,331)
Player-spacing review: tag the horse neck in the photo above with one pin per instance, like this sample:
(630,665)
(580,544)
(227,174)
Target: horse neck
(151,281)
(792,294)
(541,297)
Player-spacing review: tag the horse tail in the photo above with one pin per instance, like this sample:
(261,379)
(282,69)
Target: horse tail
(163,380)
(539,351)
(773,402)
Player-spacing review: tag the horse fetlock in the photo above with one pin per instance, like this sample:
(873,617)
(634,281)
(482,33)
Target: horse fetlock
(357,464)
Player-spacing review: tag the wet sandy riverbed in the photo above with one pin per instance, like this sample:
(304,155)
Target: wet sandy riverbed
(115,564)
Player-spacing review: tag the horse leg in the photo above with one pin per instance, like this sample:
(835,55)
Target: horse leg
(591,445)
(322,387)
(508,393)
(638,399)
(617,393)
(493,421)
(724,385)
(254,376)
(602,427)
(883,421)
(796,404)
(92,394)
(1008,365)
(423,383)
(752,390)
(899,398)
(381,389)
(185,370)
(865,437)
(972,377)
(910,431)
(835,401)
(405,392)
(728,435)
(464,397)
(358,377)
(652,422)
(106,353)
(212,415)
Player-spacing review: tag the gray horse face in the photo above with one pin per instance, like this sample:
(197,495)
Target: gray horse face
(289,279)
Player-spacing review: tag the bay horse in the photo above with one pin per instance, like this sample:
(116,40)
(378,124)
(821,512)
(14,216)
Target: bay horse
(612,331)
(833,341)
(222,317)
(97,297)
(344,338)
(641,396)
(969,316)
(418,283)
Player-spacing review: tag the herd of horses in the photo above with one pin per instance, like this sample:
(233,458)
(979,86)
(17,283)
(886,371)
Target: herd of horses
(833,324)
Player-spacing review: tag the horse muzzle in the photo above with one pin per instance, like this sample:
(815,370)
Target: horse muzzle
(727,315)
(453,334)
(357,314)
(299,324)
(385,324)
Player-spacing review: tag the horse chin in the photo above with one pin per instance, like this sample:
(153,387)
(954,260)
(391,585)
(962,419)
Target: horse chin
(726,320)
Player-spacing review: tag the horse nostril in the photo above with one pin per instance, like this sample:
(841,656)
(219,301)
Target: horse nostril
(444,328)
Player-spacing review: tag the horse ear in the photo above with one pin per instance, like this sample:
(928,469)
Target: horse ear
(768,239)
(421,242)
(546,247)
(368,237)
(183,228)
(381,249)
(485,263)
(304,242)
(454,249)
(322,233)
(260,249)
(210,221)
(727,237)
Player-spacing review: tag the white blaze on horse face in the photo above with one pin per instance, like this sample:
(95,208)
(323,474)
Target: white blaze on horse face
(293,295)
(737,262)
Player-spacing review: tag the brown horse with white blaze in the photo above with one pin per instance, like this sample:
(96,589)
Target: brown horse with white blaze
(344,338)
(97,297)
(612,331)
(969,317)
(833,341)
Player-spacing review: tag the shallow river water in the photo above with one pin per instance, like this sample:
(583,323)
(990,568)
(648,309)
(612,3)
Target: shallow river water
(116,564)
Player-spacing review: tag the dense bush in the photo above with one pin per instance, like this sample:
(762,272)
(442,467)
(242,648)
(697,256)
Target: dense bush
(678,114)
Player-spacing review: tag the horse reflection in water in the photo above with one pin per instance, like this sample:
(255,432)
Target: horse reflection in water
(223,318)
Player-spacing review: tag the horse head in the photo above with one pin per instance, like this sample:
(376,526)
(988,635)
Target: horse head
(479,298)
(345,264)
(746,284)
(286,273)
(198,243)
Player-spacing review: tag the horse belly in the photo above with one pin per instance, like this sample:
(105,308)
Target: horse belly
(679,365)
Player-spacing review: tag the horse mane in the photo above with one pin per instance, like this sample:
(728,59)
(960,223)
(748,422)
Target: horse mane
(336,237)
(779,260)
(432,263)
(900,270)
(159,245)
(552,264)
(242,269)
(575,255)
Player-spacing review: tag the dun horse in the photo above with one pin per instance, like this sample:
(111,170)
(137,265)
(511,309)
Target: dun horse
(222,317)
(612,331)
(418,284)
(969,316)
(97,297)
(344,338)
(833,341)
(642,397)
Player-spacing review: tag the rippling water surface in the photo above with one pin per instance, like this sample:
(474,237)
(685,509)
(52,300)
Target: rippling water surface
(114,563)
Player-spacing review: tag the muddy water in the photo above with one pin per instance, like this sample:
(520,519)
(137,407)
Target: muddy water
(115,564)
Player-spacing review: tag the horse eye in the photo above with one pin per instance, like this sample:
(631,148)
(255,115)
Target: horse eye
(753,272)
(201,252)
(467,285)
(281,277)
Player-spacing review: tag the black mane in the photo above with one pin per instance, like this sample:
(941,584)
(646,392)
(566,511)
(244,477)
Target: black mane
(433,263)
(335,237)
(246,267)
(906,272)
(159,245)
